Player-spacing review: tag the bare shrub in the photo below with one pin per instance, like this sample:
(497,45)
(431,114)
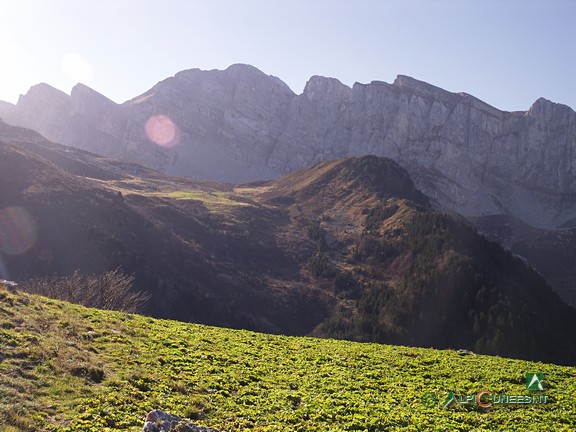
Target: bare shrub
(111,290)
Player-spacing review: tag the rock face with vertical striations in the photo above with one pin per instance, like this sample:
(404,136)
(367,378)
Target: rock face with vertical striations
(241,124)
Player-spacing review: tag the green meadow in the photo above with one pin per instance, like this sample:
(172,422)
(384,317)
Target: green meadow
(64,367)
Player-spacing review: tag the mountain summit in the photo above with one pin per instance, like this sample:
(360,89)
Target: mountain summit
(511,173)
(240,124)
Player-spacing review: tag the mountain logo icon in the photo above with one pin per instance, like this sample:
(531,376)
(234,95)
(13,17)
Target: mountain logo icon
(450,399)
(534,381)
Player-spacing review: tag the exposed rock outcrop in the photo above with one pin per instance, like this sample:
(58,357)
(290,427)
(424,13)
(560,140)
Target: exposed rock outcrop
(6,108)
(241,124)
(160,421)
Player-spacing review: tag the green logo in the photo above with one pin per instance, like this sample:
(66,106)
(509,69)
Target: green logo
(450,399)
(429,400)
(534,381)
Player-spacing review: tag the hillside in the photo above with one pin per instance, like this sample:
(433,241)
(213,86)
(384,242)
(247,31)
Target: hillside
(240,124)
(409,275)
(68,368)
(204,253)
(553,253)
(347,249)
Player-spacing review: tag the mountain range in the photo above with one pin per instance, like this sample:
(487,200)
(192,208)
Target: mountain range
(240,124)
(509,173)
(347,248)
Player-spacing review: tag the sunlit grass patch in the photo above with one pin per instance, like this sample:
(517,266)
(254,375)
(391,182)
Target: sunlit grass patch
(70,368)
(206,197)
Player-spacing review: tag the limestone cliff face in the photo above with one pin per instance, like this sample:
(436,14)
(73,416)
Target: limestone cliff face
(240,124)
(85,119)
(466,155)
(6,108)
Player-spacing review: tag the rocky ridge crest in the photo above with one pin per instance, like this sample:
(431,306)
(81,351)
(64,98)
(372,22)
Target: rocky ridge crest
(240,124)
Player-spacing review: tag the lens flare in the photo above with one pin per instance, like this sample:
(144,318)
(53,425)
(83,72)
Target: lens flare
(77,68)
(3,270)
(17,230)
(162,131)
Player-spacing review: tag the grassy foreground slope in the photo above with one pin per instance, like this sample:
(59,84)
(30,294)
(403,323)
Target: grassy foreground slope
(68,368)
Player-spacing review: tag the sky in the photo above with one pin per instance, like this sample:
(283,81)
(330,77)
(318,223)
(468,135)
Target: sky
(505,52)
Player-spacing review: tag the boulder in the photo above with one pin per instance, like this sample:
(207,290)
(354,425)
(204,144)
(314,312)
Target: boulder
(160,421)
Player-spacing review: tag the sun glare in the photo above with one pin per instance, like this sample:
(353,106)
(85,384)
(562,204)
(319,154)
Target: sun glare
(16,66)
(17,230)
(77,68)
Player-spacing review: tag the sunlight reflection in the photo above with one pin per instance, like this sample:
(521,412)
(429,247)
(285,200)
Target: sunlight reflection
(3,270)
(17,230)
(77,68)
(162,131)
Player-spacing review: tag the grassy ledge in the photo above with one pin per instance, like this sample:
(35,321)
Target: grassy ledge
(64,367)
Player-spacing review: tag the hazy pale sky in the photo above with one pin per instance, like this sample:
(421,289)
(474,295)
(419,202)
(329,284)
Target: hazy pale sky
(506,52)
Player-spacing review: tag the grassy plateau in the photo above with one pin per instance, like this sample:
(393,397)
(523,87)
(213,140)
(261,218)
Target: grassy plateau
(64,367)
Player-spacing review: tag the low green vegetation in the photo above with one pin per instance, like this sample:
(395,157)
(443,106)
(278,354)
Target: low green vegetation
(206,197)
(64,367)
(160,188)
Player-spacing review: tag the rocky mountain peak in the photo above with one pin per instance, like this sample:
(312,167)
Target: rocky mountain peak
(326,88)
(83,92)
(43,94)
(6,108)
(247,77)
(91,105)
(419,87)
(240,124)
(244,70)
(550,111)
